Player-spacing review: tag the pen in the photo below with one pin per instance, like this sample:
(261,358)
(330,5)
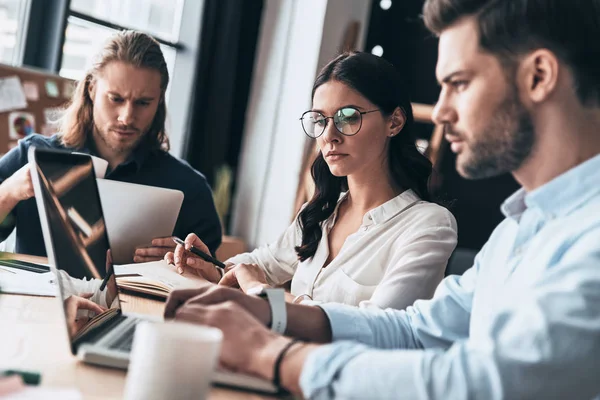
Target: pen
(29,378)
(105,280)
(201,254)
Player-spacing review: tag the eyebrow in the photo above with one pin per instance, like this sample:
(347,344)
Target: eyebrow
(339,108)
(146,98)
(449,77)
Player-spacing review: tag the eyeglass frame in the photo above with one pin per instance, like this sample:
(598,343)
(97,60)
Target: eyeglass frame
(336,128)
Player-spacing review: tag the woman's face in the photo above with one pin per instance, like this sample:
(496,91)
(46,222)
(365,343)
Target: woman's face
(346,155)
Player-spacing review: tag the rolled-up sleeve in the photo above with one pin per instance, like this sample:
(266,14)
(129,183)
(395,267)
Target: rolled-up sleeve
(279,259)
(542,344)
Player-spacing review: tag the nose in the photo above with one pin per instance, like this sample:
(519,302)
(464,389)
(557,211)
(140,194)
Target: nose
(444,112)
(126,114)
(331,134)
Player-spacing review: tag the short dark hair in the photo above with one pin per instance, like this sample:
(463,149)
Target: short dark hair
(510,28)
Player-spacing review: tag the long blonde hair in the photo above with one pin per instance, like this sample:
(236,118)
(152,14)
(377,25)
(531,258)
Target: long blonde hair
(137,49)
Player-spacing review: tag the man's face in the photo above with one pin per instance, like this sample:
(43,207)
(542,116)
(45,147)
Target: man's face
(125,101)
(490,130)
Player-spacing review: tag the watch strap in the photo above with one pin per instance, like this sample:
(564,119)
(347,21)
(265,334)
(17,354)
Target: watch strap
(276,298)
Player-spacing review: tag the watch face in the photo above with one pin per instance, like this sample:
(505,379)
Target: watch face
(257,291)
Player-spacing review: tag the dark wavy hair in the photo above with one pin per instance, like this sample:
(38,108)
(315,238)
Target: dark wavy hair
(381,83)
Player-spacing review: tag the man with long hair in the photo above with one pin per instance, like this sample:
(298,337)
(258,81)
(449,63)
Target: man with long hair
(117,113)
(520,93)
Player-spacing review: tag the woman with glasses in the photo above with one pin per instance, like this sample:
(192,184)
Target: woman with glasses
(370,235)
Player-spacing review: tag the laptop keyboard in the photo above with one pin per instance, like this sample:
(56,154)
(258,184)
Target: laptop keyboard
(125,342)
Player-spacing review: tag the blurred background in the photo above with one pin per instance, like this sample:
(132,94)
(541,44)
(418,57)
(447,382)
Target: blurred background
(241,76)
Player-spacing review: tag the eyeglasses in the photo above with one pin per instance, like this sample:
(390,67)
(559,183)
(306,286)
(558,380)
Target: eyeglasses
(347,120)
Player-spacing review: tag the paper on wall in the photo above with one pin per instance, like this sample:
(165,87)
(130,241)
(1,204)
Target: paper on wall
(68,89)
(20,124)
(32,91)
(51,88)
(12,96)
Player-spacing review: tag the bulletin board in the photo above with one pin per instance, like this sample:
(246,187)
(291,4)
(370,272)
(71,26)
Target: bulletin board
(33,107)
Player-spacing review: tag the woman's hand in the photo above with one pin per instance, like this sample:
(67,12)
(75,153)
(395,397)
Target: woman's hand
(185,261)
(244,276)
(75,303)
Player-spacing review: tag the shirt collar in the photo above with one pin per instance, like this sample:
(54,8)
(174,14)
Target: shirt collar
(392,207)
(384,212)
(561,195)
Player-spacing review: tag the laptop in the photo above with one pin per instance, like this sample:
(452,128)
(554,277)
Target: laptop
(77,245)
(126,209)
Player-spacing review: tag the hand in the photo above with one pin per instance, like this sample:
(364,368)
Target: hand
(75,303)
(248,346)
(211,294)
(160,247)
(244,276)
(19,184)
(186,261)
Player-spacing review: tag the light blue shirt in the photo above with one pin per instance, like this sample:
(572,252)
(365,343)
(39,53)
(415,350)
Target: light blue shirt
(523,322)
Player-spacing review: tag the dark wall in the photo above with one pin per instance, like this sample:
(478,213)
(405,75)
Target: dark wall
(413,50)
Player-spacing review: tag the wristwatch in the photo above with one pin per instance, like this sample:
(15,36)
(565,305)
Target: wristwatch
(276,299)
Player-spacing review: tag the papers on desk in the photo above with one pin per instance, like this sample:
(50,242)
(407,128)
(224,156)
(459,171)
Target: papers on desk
(44,393)
(15,281)
(154,278)
(12,95)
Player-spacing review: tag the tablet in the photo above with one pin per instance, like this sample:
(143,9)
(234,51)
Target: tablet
(136,214)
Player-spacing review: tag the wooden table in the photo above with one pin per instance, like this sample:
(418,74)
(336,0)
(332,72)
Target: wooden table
(33,337)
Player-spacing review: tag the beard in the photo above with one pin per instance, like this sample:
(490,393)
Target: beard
(503,146)
(115,145)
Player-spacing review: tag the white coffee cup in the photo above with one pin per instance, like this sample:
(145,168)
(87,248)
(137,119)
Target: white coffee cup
(172,360)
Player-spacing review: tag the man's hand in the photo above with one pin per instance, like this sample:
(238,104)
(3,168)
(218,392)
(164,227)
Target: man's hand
(248,346)
(75,303)
(19,186)
(186,261)
(211,294)
(160,247)
(244,276)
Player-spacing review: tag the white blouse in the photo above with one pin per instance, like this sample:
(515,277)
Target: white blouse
(398,255)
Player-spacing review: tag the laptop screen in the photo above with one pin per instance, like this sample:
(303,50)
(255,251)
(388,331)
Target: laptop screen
(76,238)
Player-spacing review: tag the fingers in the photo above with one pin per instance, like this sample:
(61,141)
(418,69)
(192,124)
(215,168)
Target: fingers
(193,240)
(164,242)
(145,254)
(179,258)
(230,279)
(85,304)
(139,259)
(170,258)
(179,297)
(195,314)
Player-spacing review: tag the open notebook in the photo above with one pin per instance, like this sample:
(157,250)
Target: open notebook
(154,278)
(95,322)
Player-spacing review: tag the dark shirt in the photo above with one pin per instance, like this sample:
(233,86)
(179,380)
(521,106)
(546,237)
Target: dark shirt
(153,168)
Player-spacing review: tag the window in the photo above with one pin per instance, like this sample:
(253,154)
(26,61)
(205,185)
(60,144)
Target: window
(91,22)
(160,18)
(13,22)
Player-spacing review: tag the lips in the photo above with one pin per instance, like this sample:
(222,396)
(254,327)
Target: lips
(456,144)
(124,132)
